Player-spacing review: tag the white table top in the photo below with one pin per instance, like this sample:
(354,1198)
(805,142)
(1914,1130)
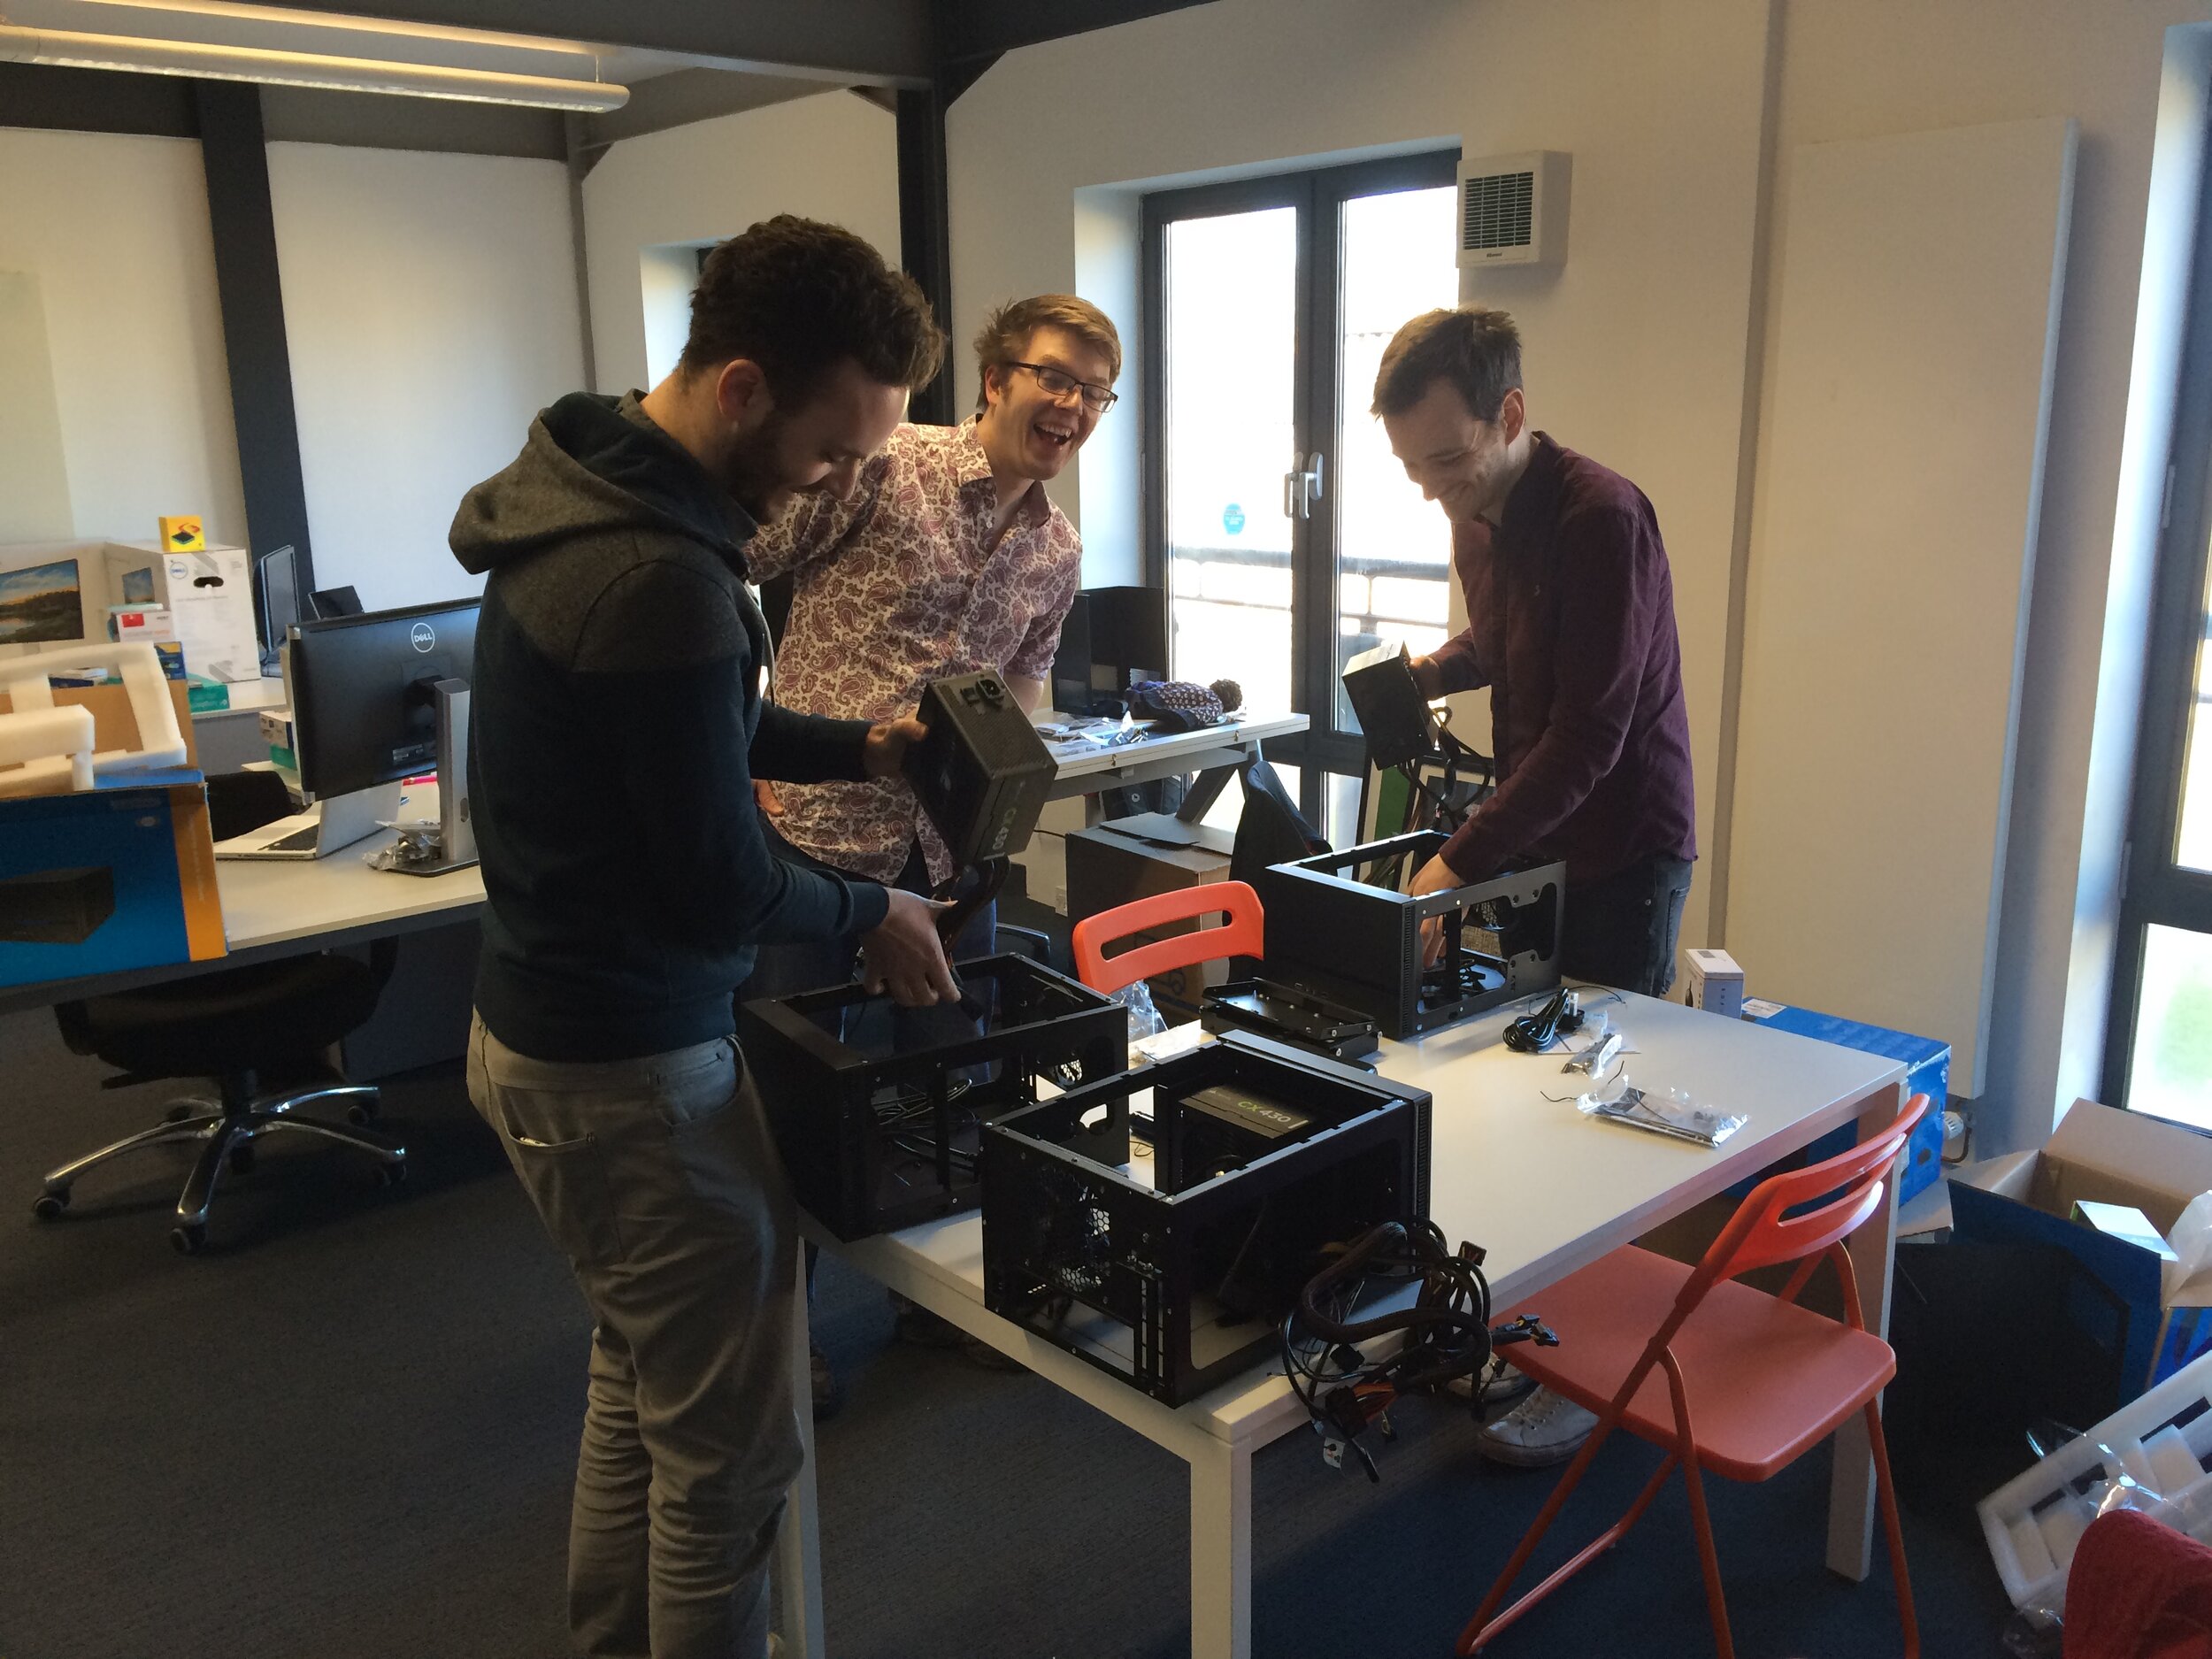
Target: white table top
(1542,1188)
(275,901)
(1087,763)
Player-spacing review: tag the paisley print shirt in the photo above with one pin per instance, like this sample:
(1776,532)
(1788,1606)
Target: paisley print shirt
(899,585)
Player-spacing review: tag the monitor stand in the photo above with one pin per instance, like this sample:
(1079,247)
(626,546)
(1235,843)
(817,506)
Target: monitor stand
(456,832)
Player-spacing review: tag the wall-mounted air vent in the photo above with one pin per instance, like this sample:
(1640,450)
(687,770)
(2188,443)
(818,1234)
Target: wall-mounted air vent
(1513,210)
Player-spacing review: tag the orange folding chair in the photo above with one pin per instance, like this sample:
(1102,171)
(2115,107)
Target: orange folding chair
(1769,1380)
(1243,935)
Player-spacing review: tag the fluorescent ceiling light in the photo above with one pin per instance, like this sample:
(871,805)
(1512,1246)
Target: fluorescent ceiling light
(305,69)
(354,23)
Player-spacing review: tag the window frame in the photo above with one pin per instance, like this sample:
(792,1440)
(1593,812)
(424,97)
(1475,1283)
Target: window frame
(1317,196)
(2155,890)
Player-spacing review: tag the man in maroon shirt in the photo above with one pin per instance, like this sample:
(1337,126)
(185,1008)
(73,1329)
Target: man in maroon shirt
(1570,624)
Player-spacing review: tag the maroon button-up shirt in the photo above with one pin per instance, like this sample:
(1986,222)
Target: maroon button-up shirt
(1570,624)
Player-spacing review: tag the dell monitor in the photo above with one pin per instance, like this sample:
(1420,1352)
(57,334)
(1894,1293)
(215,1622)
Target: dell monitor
(381,696)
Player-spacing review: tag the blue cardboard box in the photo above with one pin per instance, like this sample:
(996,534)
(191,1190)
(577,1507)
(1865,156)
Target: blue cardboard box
(110,878)
(2155,1325)
(1927,1072)
(107,879)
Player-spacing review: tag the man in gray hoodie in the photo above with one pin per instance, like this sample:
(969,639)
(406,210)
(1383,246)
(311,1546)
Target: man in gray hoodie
(618,726)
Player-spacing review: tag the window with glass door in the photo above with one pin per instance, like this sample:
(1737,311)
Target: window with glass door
(1286,535)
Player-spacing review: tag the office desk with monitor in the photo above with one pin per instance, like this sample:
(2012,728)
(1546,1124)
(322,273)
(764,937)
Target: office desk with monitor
(1542,1188)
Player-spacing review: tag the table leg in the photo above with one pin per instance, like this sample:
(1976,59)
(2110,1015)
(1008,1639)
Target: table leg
(1220,1550)
(1204,790)
(1851,1503)
(798,1565)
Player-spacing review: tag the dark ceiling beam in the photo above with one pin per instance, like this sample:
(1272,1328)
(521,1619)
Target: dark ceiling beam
(685,96)
(250,293)
(968,30)
(886,40)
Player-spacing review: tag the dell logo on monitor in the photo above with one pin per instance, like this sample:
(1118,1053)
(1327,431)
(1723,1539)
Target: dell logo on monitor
(422,636)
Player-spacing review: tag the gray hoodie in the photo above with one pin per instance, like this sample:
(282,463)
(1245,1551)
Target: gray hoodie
(616,726)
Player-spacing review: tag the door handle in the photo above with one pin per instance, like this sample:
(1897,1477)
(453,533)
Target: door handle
(1302,486)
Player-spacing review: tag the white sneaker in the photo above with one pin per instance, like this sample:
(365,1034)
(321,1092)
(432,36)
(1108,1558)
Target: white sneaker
(1495,1384)
(1545,1428)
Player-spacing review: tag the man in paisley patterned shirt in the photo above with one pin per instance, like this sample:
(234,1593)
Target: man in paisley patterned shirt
(948,559)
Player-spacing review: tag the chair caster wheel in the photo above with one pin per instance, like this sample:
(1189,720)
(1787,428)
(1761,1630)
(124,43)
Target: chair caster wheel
(188,1240)
(391,1175)
(48,1206)
(240,1158)
(361,1112)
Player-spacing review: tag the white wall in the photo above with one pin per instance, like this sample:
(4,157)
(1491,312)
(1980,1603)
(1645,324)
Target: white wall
(431,306)
(116,231)
(1637,350)
(832,157)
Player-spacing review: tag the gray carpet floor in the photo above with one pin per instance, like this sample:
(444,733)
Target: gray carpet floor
(347,1429)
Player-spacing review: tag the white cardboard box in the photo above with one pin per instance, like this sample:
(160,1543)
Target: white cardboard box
(1716,983)
(209,593)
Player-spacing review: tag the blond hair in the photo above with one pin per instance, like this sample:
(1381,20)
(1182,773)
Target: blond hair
(1004,337)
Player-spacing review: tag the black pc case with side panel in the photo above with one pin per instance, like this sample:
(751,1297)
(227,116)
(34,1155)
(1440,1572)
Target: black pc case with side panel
(1172,1270)
(982,774)
(1339,926)
(878,1111)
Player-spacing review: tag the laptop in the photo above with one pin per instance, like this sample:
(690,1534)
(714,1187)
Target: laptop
(330,824)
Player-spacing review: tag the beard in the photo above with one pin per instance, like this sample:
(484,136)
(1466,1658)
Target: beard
(753,474)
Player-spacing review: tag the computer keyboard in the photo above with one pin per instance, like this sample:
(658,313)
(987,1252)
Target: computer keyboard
(300,840)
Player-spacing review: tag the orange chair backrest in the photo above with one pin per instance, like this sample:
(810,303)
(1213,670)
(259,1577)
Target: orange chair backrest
(1763,1232)
(1242,934)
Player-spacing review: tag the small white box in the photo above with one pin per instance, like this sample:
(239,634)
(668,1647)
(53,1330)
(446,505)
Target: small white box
(1716,983)
(210,595)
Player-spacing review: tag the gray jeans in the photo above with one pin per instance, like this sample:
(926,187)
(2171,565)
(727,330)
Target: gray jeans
(658,1179)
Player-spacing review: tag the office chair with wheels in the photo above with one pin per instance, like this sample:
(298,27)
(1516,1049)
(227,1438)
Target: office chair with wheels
(1720,1376)
(1241,934)
(260,1033)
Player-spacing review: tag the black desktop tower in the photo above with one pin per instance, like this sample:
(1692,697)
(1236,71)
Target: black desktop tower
(55,906)
(982,774)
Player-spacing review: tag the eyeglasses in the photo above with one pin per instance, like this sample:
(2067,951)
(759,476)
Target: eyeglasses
(1059,383)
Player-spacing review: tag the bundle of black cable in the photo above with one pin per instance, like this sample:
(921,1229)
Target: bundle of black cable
(1533,1033)
(1445,1331)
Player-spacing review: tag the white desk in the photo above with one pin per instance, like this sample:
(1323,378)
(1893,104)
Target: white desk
(1542,1188)
(1209,749)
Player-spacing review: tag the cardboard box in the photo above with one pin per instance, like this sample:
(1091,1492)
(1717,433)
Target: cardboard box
(1715,982)
(109,878)
(2114,1157)
(1133,857)
(209,595)
(1927,1072)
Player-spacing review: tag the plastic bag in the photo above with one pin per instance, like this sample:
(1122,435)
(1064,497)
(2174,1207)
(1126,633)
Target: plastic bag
(1144,1020)
(1675,1115)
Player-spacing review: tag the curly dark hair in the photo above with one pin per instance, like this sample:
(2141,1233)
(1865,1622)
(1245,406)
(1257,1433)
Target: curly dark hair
(1478,351)
(798,297)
